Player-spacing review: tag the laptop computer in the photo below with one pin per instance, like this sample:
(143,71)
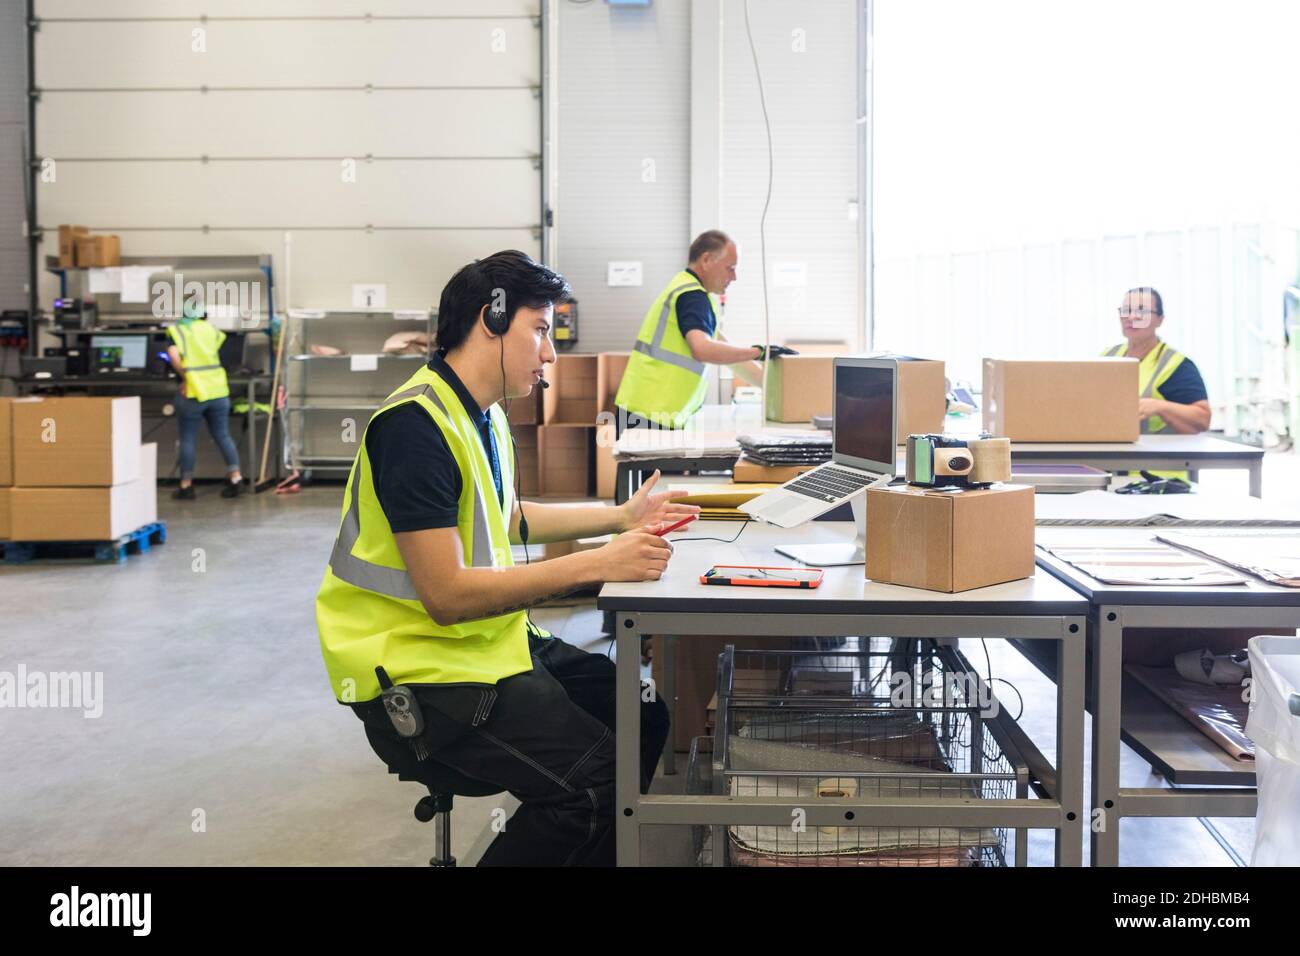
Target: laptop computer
(863,448)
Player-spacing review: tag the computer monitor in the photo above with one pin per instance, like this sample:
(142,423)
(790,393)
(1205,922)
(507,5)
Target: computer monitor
(131,351)
(865,426)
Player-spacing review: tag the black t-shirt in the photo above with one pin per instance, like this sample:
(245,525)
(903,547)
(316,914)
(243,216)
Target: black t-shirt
(1185,386)
(695,311)
(416,477)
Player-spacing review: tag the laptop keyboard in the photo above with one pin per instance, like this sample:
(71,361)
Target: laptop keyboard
(830,484)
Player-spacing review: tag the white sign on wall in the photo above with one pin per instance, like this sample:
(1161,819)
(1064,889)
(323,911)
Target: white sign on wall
(624,273)
(790,275)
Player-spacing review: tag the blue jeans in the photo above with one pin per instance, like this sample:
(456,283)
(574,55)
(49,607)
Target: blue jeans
(217,413)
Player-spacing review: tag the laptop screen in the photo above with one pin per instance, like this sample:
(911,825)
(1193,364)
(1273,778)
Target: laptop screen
(864,414)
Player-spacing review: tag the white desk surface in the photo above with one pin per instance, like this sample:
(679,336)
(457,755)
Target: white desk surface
(1090,506)
(1255,592)
(1175,445)
(713,433)
(844,590)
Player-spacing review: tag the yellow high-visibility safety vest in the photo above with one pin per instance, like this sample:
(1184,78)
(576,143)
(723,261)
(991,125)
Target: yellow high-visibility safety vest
(368,612)
(663,381)
(199,344)
(1153,371)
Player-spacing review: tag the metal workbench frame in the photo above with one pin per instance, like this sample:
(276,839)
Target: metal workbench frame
(1062,786)
(1116,608)
(1148,452)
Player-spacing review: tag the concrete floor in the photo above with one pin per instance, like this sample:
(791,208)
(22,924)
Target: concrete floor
(220,742)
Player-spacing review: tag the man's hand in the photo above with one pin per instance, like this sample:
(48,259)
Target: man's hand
(650,508)
(1148,407)
(772,351)
(182,388)
(633,556)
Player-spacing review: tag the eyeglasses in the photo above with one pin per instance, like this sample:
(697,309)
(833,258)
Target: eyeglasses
(1137,313)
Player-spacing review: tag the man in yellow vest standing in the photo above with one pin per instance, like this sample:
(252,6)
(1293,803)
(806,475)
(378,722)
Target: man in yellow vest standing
(664,382)
(204,396)
(1172,395)
(422,613)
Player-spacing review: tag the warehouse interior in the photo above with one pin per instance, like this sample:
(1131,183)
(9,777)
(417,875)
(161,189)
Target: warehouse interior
(230,240)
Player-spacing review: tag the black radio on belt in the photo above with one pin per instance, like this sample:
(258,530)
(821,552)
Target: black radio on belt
(401,706)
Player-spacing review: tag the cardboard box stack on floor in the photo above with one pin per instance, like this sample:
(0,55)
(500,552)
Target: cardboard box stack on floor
(6,464)
(565,446)
(80,472)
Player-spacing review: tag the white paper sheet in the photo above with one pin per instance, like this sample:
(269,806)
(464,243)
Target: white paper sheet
(364,363)
(104,280)
(135,282)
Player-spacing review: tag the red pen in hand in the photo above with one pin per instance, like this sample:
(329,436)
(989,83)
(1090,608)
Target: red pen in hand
(685,521)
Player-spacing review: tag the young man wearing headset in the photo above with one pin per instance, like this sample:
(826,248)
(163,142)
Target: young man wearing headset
(423,609)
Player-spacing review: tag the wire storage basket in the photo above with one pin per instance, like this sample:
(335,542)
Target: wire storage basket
(884,719)
(699,781)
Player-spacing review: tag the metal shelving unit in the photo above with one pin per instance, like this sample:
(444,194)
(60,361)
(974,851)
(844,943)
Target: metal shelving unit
(320,387)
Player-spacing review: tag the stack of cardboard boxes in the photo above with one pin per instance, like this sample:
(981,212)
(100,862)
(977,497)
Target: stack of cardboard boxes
(563,442)
(74,469)
(79,249)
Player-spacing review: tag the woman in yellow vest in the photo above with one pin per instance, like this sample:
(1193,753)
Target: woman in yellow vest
(204,396)
(1172,395)
(664,382)
(422,600)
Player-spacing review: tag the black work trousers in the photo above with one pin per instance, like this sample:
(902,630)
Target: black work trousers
(546,736)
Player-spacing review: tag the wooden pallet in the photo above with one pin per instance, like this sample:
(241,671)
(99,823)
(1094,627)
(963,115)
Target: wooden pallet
(138,541)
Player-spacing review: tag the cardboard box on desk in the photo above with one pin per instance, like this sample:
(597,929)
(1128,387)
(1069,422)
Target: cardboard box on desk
(1090,400)
(76,442)
(572,398)
(940,541)
(830,347)
(799,387)
(6,442)
(922,397)
(748,472)
(564,455)
(90,513)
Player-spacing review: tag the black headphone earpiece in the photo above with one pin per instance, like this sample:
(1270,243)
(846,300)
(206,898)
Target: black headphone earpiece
(496,320)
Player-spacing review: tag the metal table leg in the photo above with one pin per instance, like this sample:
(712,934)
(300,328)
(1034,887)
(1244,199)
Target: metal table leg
(668,693)
(1069,740)
(1257,478)
(627,743)
(1107,642)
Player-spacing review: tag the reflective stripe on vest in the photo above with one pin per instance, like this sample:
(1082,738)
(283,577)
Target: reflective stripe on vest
(207,381)
(664,383)
(655,348)
(393,582)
